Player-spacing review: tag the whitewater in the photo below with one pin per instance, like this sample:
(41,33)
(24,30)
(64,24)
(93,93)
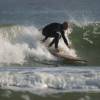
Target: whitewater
(21,47)
(52,80)
(19,44)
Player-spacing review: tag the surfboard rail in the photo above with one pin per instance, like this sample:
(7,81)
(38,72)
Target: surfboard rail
(67,57)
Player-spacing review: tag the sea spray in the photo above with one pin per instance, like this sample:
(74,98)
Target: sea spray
(18,43)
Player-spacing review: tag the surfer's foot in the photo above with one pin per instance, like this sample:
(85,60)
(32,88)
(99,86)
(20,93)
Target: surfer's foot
(57,50)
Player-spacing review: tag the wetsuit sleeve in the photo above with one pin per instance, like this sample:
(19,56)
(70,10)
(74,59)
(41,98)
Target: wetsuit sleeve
(64,38)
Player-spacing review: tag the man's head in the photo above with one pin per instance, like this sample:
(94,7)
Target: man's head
(65,25)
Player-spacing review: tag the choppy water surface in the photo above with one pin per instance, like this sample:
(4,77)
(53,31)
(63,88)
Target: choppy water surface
(50,80)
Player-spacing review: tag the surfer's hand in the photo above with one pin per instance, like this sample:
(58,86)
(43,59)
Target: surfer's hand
(57,50)
(69,46)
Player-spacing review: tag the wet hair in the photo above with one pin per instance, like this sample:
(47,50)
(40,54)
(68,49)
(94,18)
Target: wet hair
(65,25)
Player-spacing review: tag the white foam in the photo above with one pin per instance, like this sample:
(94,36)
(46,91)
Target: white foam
(18,43)
(68,51)
(85,20)
(86,37)
(51,79)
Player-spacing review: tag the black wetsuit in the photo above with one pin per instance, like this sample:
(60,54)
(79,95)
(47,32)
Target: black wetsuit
(56,31)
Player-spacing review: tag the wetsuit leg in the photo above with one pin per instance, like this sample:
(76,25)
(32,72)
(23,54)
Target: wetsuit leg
(45,39)
(53,41)
(45,33)
(57,37)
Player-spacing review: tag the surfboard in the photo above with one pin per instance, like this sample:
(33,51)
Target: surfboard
(62,55)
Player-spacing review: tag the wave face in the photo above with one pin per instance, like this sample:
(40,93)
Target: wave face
(50,80)
(86,40)
(20,44)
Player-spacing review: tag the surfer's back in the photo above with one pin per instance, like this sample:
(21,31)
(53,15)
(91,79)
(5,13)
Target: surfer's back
(53,27)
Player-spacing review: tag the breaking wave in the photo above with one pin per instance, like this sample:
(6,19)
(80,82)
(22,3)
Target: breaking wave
(18,44)
(50,80)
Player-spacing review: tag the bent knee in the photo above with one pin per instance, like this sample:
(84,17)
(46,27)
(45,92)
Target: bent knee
(58,36)
(43,33)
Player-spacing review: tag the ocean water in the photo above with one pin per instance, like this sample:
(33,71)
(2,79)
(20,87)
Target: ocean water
(28,70)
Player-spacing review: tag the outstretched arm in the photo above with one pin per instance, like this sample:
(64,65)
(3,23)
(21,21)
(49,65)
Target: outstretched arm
(64,38)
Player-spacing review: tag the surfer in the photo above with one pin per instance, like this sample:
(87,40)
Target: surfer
(56,31)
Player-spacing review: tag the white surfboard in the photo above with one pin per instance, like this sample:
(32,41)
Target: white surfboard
(61,54)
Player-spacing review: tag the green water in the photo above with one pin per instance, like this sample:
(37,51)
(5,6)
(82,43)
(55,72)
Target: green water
(16,95)
(86,41)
